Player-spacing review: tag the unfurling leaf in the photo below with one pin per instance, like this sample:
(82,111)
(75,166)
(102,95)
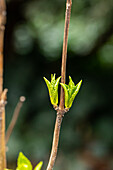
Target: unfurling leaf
(70,92)
(23,163)
(39,166)
(53,89)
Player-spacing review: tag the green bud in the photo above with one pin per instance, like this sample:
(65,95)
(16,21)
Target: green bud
(53,89)
(70,92)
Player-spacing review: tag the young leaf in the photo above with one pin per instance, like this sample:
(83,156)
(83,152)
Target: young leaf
(39,166)
(70,92)
(53,89)
(23,163)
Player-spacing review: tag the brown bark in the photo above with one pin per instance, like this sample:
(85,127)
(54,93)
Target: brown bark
(55,142)
(2,101)
(61,110)
(2,130)
(64,53)
(14,118)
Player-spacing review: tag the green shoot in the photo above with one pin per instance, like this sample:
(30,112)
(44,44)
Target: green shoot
(24,163)
(53,89)
(70,92)
(39,166)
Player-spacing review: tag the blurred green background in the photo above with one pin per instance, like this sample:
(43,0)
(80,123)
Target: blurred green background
(33,49)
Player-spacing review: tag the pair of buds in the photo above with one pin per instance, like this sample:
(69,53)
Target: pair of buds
(70,90)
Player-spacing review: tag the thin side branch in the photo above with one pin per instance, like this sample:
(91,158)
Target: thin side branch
(61,110)
(2,106)
(14,118)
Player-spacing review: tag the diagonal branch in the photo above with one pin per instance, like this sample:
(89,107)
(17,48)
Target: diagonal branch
(14,118)
(61,110)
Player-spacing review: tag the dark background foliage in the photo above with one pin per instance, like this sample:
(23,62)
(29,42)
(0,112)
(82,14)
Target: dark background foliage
(33,49)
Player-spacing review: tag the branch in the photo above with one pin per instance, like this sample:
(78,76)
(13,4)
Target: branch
(14,118)
(2,28)
(2,130)
(61,111)
(55,142)
(2,105)
(64,53)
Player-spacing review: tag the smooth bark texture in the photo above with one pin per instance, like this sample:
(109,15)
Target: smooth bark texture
(55,142)
(61,110)
(14,118)
(64,53)
(2,130)
(2,101)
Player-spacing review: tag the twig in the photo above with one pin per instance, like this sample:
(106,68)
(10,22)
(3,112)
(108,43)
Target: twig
(2,130)
(64,53)
(2,107)
(61,111)
(14,118)
(55,142)
(2,28)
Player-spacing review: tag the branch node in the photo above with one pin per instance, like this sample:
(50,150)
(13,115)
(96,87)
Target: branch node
(22,99)
(3,97)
